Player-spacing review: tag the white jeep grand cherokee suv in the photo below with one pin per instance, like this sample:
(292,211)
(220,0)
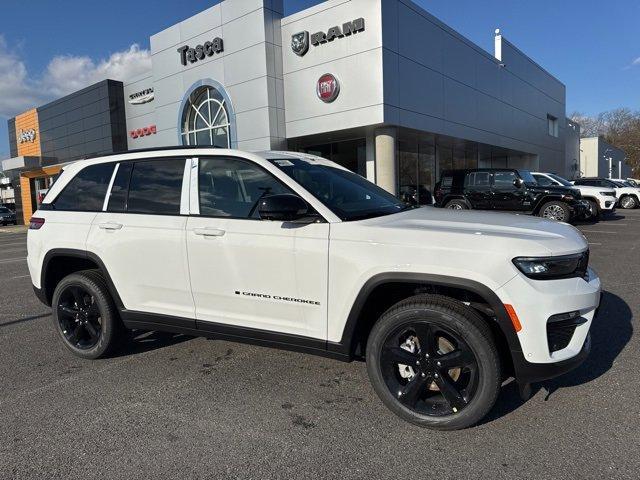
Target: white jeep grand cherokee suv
(600,199)
(294,251)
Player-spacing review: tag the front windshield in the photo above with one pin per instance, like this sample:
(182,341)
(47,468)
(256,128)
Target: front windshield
(560,180)
(346,194)
(526,176)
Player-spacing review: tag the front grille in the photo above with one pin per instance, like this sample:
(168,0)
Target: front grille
(560,329)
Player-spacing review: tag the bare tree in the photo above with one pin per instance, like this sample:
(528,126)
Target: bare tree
(619,127)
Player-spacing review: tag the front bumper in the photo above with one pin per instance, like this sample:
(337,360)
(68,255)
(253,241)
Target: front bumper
(535,302)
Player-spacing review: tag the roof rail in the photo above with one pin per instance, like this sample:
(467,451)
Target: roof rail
(151,149)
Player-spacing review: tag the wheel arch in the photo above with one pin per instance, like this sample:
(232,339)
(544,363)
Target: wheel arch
(544,200)
(60,262)
(393,287)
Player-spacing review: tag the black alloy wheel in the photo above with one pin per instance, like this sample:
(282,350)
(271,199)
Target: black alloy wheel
(433,361)
(429,368)
(85,315)
(79,317)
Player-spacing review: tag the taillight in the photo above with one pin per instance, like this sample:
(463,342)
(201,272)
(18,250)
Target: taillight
(36,223)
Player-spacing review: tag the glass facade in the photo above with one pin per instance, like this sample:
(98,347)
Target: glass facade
(421,159)
(351,154)
(86,123)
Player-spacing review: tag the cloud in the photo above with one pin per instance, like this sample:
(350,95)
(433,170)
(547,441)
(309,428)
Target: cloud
(20,90)
(66,74)
(636,62)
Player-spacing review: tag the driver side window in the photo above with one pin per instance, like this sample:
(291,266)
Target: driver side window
(230,187)
(544,181)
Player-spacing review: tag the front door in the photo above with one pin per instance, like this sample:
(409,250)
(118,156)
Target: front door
(505,194)
(265,275)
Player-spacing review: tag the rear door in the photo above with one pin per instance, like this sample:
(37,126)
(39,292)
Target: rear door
(246,272)
(505,194)
(478,189)
(140,237)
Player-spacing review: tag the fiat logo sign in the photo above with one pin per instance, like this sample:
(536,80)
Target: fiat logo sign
(327,88)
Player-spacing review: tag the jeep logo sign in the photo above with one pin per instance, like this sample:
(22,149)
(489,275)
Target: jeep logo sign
(327,88)
(200,51)
(300,41)
(27,136)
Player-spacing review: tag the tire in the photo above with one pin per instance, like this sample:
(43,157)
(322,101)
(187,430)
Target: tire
(471,390)
(457,205)
(85,316)
(629,202)
(594,210)
(555,210)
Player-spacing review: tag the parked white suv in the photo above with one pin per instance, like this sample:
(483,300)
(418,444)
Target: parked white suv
(601,199)
(628,196)
(293,251)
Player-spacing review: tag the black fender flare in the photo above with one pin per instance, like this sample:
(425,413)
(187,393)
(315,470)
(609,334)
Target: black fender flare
(523,371)
(83,254)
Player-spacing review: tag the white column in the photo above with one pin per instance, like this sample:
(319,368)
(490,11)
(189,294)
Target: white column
(370,166)
(386,164)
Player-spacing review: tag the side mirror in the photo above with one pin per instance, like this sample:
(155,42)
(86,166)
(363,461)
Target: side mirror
(284,207)
(518,182)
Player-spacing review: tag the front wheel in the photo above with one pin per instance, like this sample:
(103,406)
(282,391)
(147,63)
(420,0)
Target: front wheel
(628,202)
(555,210)
(85,316)
(434,363)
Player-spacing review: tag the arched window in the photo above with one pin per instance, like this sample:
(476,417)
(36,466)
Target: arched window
(205,119)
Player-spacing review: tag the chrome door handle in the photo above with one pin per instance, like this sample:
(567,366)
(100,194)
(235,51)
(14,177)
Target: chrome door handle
(209,232)
(110,226)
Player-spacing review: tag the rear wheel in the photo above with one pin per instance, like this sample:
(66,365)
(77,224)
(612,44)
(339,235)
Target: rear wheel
(85,316)
(457,205)
(555,210)
(628,202)
(434,363)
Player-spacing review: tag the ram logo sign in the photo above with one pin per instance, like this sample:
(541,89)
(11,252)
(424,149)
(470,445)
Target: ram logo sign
(300,41)
(27,136)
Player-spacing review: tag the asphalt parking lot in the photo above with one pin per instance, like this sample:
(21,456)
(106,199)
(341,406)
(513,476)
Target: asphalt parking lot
(176,407)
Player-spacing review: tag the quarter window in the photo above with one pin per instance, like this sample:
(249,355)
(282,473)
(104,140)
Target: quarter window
(156,187)
(232,188)
(86,191)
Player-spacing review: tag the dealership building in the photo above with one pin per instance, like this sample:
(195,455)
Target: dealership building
(379,86)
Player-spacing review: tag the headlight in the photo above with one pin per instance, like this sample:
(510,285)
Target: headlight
(553,268)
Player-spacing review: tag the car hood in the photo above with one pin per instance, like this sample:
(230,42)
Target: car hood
(556,189)
(508,233)
(591,189)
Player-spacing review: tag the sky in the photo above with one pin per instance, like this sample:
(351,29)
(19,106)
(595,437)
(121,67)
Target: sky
(49,48)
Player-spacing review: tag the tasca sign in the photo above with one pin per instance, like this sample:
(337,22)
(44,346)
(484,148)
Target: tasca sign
(300,41)
(200,52)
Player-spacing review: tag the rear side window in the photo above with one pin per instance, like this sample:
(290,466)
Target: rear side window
(155,187)
(447,181)
(478,179)
(86,191)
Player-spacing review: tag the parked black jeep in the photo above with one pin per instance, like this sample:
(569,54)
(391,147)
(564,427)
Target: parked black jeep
(507,189)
